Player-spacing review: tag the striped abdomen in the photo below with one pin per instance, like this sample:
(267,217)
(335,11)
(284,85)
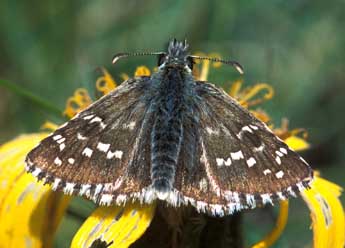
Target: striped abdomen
(167,133)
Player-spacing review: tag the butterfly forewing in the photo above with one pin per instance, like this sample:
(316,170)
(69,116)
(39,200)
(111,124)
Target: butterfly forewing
(241,162)
(97,152)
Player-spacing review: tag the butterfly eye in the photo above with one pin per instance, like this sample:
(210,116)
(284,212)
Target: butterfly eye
(190,62)
(161,58)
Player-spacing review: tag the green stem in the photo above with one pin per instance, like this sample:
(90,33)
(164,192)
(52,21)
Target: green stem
(33,98)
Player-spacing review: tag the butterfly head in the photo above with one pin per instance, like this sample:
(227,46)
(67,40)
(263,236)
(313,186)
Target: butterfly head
(176,56)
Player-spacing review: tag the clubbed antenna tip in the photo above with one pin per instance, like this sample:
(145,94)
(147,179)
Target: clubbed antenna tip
(234,64)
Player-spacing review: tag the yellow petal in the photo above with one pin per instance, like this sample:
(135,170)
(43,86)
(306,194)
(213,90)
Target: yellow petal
(235,88)
(250,92)
(48,125)
(79,101)
(296,143)
(274,235)
(205,68)
(327,213)
(105,83)
(142,71)
(29,211)
(118,225)
(262,116)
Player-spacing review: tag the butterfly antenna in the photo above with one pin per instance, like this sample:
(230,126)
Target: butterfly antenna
(234,64)
(124,55)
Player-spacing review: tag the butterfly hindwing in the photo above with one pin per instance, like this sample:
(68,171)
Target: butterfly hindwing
(97,152)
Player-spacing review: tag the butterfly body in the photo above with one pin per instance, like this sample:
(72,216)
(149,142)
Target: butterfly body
(172,138)
(167,131)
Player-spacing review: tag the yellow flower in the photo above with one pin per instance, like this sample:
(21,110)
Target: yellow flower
(30,211)
(119,225)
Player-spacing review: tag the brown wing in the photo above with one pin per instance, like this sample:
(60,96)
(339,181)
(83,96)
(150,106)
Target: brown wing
(97,153)
(230,160)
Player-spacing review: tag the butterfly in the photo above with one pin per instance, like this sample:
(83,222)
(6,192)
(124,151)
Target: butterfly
(171,138)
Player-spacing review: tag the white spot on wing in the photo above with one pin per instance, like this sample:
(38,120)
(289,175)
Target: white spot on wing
(96,119)
(267,171)
(279,174)
(88,117)
(87,152)
(210,131)
(102,125)
(278,160)
(71,160)
(251,161)
(116,154)
(253,127)
(62,146)
(57,137)
(130,126)
(279,154)
(36,172)
(236,155)
(244,129)
(260,148)
(103,147)
(227,162)
(57,161)
(61,140)
(211,180)
(219,161)
(283,150)
(81,137)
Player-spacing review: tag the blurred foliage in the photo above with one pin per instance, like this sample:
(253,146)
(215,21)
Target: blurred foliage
(50,48)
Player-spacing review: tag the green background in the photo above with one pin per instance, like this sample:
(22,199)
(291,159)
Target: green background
(50,48)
